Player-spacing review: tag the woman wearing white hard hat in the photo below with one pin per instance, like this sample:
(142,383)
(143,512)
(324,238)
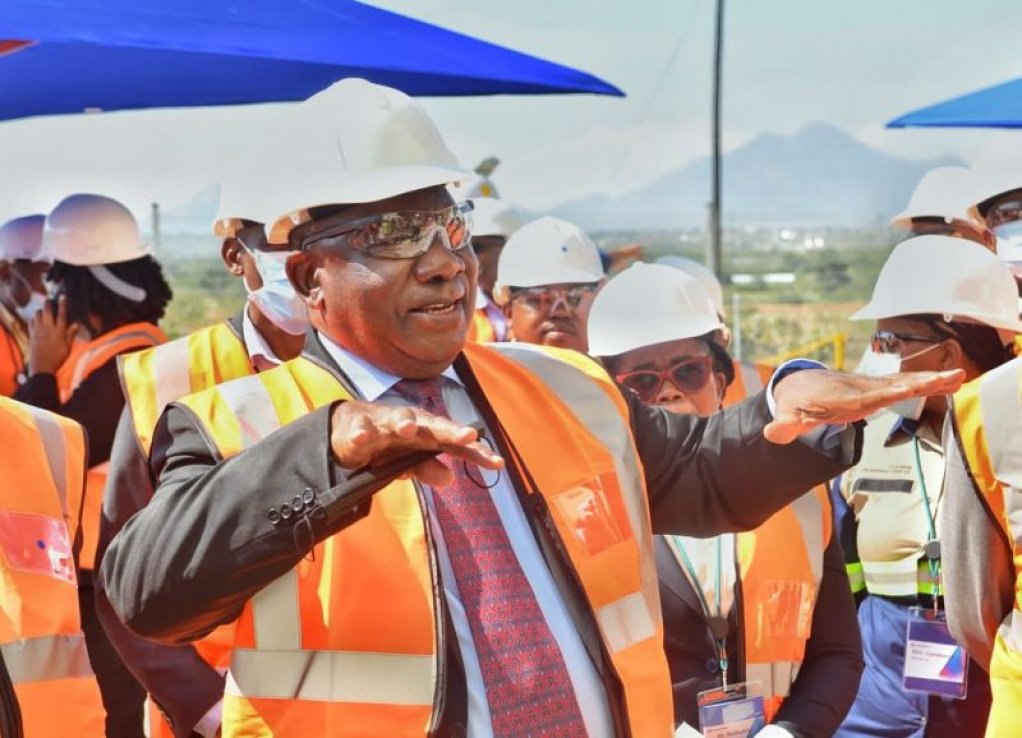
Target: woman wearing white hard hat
(108,289)
(547,276)
(493,223)
(762,606)
(22,294)
(939,303)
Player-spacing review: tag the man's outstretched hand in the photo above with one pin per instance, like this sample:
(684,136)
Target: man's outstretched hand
(810,398)
(370,434)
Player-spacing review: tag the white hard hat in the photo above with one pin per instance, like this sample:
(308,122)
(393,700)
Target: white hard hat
(942,275)
(707,279)
(992,181)
(547,251)
(492,217)
(354,142)
(647,304)
(92,230)
(22,238)
(239,194)
(944,192)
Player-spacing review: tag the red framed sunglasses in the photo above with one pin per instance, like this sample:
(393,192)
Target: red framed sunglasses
(688,375)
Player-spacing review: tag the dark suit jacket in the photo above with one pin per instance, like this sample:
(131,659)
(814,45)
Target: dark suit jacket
(827,681)
(183,684)
(205,545)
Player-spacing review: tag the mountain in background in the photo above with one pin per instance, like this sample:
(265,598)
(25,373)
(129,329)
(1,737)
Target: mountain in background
(819,176)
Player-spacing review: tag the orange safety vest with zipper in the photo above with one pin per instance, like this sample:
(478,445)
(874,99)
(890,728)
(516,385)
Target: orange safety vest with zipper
(41,637)
(749,379)
(347,643)
(86,357)
(987,415)
(152,379)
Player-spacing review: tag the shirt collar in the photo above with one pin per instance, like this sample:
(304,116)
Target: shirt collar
(255,344)
(369,381)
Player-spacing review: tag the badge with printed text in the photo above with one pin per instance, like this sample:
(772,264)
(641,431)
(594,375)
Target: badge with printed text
(934,662)
(735,711)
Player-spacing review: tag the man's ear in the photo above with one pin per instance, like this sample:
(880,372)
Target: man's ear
(302,273)
(951,354)
(231,252)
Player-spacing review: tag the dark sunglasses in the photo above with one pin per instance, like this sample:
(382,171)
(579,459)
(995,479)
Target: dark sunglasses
(689,375)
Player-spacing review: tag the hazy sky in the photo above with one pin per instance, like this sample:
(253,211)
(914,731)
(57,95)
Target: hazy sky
(788,63)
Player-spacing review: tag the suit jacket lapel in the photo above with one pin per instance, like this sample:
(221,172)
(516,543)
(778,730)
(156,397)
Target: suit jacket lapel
(673,578)
(315,352)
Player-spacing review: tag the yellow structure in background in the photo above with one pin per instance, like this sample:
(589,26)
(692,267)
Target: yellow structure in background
(837,340)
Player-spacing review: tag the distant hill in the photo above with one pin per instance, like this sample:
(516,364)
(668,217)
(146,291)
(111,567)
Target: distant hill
(818,176)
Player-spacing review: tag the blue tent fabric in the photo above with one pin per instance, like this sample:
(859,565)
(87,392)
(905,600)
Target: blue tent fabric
(999,106)
(129,54)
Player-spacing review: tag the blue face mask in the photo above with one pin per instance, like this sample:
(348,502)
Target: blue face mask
(276,299)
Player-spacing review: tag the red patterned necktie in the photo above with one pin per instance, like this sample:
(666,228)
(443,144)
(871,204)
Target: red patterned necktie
(527,684)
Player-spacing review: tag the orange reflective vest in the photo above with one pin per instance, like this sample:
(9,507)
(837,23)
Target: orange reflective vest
(987,416)
(749,379)
(346,643)
(481,330)
(43,468)
(86,357)
(13,350)
(780,584)
(152,379)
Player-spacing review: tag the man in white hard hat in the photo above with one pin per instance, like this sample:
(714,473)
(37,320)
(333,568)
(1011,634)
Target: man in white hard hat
(547,277)
(493,222)
(962,315)
(22,294)
(940,205)
(748,378)
(187,682)
(110,290)
(446,596)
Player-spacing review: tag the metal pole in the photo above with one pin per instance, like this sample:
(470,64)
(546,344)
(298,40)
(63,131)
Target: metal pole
(156,225)
(713,260)
(736,324)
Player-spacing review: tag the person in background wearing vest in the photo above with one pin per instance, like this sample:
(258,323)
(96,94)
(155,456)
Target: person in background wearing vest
(493,222)
(749,378)
(111,290)
(547,276)
(22,294)
(941,205)
(783,615)
(981,536)
(187,682)
(43,649)
(962,315)
(381,590)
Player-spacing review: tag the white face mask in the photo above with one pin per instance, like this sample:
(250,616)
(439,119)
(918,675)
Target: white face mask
(884,365)
(35,303)
(1009,241)
(277,299)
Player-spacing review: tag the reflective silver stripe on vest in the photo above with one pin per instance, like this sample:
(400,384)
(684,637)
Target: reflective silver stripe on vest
(171,372)
(332,676)
(908,577)
(252,406)
(47,658)
(79,374)
(776,677)
(52,437)
(277,615)
(750,377)
(631,619)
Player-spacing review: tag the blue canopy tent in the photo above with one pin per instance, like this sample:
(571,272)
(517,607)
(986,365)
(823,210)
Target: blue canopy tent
(69,56)
(999,106)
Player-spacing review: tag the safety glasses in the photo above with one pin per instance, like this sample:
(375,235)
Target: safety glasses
(544,299)
(400,235)
(889,342)
(689,375)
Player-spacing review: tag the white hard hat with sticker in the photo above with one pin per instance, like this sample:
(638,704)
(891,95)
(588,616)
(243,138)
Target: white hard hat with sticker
(707,279)
(547,251)
(22,239)
(946,276)
(943,192)
(647,304)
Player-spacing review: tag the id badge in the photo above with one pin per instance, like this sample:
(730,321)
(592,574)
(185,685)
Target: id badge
(735,711)
(934,662)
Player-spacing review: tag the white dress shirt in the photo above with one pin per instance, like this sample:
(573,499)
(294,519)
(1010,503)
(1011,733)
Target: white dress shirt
(377,385)
(258,349)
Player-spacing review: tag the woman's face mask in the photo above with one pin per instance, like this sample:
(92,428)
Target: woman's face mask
(884,365)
